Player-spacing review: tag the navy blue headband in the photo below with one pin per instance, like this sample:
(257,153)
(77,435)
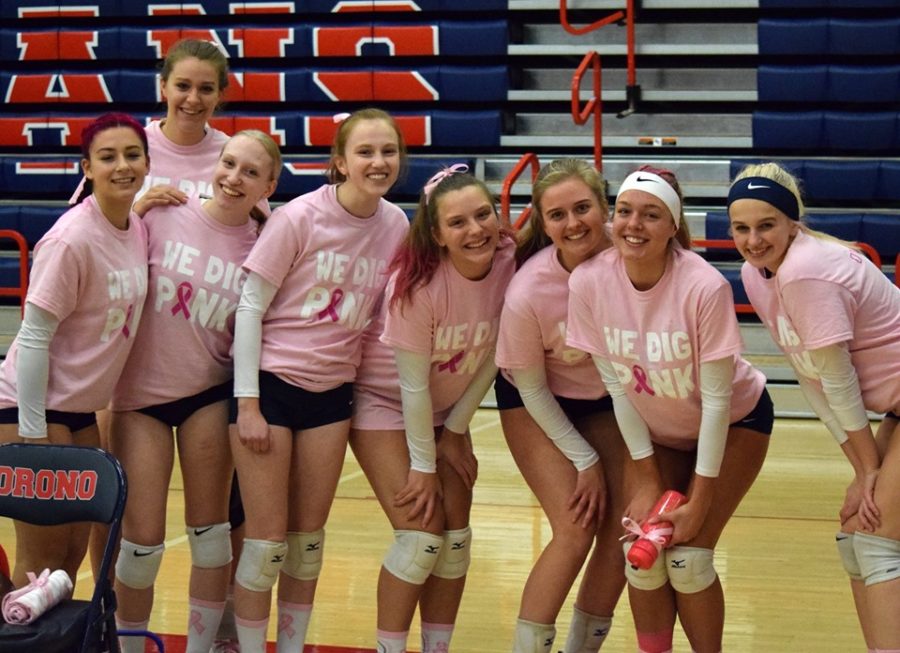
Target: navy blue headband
(763,188)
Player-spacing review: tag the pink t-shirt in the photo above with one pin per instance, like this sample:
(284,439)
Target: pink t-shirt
(824,294)
(329,268)
(184,344)
(452,319)
(657,339)
(93,278)
(189,168)
(533,329)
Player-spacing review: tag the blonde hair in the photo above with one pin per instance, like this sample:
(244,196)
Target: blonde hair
(783,177)
(533,238)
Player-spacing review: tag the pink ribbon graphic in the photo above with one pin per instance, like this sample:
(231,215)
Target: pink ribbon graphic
(657,534)
(285,622)
(641,377)
(452,363)
(185,290)
(125,330)
(331,309)
(196,622)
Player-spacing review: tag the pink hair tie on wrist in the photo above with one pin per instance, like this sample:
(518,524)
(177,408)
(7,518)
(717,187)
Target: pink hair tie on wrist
(338,118)
(440,175)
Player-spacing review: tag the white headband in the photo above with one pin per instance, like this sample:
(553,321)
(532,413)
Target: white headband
(656,186)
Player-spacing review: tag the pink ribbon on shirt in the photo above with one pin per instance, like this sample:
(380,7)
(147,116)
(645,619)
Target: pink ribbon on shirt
(196,622)
(285,625)
(658,533)
(24,605)
(641,378)
(185,290)
(331,309)
(452,363)
(125,330)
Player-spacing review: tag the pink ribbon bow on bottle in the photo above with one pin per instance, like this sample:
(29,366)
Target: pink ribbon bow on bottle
(658,533)
(440,175)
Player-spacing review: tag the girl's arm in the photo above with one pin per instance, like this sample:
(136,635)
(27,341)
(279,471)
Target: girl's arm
(256,296)
(840,384)
(33,369)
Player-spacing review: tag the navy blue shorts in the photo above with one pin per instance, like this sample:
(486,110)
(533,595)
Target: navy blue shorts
(175,413)
(74,421)
(284,404)
(761,418)
(508,397)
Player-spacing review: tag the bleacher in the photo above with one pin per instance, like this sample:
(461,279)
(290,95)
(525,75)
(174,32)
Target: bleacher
(812,83)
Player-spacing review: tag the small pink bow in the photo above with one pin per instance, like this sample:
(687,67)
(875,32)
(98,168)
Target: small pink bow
(338,118)
(440,175)
(658,533)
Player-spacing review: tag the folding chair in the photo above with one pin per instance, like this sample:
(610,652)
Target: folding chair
(50,485)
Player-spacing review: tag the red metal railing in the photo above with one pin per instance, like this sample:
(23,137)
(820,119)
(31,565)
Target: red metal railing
(594,106)
(529,158)
(21,290)
(632,90)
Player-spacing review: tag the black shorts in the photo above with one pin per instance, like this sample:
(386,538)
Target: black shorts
(74,421)
(508,397)
(175,413)
(283,404)
(761,418)
(236,516)
(891,415)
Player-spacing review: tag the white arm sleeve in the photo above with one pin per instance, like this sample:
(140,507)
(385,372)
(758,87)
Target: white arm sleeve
(418,416)
(549,415)
(716,380)
(841,385)
(256,295)
(462,411)
(820,407)
(632,426)
(33,369)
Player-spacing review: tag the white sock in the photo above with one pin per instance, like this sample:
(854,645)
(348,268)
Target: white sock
(391,642)
(251,634)
(293,620)
(587,632)
(533,637)
(202,624)
(436,637)
(132,644)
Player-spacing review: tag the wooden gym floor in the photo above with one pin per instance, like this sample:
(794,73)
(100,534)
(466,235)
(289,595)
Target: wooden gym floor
(785,589)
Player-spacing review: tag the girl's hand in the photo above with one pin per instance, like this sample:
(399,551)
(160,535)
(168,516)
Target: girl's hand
(686,520)
(643,501)
(253,430)
(159,196)
(423,491)
(455,449)
(869,515)
(588,501)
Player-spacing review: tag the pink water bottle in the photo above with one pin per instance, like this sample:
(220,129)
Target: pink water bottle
(645,550)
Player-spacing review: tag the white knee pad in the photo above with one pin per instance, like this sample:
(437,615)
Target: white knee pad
(879,557)
(531,637)
(260,562)
(690,568)
(646,579)
(210,545)
(456,554)
(304,556)
(844,542)
(413,555)
(137,566)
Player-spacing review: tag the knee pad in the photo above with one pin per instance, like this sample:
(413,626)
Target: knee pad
(456,554)
(413,555)
(531,637)
(137,566)
(690,569)
(879,557)
(304,555)
(844,542)
(210,545)
(260,562)
(646,579)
